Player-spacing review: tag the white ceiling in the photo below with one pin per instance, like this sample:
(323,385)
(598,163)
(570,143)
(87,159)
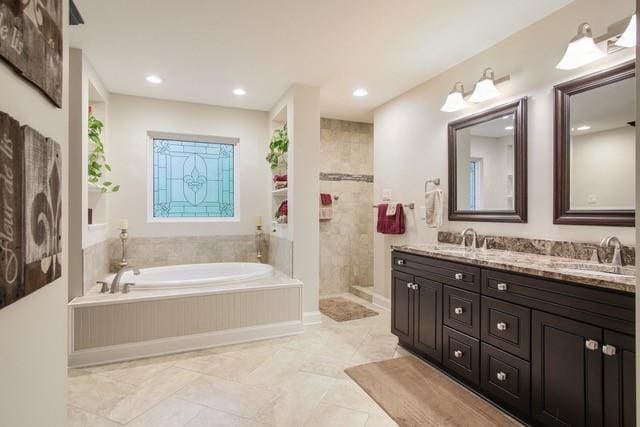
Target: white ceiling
(205,48)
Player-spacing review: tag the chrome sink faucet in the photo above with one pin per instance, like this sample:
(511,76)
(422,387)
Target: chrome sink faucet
(115,284)
(617,251)
(474,244)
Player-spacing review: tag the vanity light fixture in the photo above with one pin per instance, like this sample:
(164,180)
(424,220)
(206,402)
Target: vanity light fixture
(239,91)
(360,92)
(628,38)
(509,128)
(153,79)
(582,50)
(485,88)
(455,100)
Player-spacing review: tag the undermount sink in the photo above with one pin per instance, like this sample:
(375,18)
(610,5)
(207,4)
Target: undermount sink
(587,267)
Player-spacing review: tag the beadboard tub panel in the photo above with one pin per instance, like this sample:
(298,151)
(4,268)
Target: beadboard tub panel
(124,323)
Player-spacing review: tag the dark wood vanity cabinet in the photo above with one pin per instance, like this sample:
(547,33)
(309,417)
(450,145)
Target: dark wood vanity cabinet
(552,353)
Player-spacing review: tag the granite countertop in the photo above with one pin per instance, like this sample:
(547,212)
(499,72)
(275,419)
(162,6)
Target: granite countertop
(551,267)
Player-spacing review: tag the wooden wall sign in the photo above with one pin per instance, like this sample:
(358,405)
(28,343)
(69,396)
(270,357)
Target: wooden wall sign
(11,209)
(42,210)
(31,41)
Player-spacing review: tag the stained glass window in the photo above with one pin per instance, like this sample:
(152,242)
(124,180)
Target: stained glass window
(193,179)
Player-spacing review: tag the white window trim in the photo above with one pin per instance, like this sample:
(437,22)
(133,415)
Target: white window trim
(151,135)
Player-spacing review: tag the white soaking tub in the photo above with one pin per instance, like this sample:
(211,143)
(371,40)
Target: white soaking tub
(179,308)
(194,275)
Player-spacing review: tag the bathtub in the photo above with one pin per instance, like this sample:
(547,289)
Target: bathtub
(194,275)
(179,308)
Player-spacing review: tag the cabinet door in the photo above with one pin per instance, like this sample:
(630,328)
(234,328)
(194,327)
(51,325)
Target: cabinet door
(619,380)
(566,374)
(402,307)
(427,335)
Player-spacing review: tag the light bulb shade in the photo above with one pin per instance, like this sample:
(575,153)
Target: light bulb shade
(485,90)
(455,100)
(628,38)
(582,50)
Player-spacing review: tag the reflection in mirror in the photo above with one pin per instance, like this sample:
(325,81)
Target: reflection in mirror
(485,158)
(602,147)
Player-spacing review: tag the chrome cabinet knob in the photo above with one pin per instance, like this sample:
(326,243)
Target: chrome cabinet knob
(400,262)
(591,345)
(501,376)
(410,285)
(457,354)
(501,326)
(502,287)
(609,350)
(458,310)
(415,287)
(459,276)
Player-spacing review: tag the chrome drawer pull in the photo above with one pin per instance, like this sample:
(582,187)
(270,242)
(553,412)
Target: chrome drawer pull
(501,326)
(609,350)
(591,345)
(501,376)
(458,310)
(459,276)
(400,262)
(502,287)
(457,354)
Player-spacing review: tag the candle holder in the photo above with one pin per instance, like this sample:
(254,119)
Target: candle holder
(124,235)
(259,239)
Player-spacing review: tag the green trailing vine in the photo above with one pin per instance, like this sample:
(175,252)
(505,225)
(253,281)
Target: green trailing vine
(98,165)
(278,146)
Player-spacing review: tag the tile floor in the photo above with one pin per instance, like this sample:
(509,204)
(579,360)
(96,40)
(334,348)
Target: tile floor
(292,381)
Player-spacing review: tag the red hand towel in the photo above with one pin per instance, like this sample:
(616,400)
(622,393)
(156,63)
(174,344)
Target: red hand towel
(283,209)
(390,224)
(325,199)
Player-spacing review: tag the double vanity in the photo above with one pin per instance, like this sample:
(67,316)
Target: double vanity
(549,339)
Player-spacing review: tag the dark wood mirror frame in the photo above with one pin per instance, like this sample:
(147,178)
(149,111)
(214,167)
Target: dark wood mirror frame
(562,213)
(519,213)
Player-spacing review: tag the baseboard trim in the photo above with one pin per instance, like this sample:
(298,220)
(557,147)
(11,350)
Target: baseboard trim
(382,302)
(311,317)
(137,350)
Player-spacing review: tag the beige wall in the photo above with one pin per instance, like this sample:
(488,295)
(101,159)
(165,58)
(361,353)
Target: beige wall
(131,118)
(603,166)
(346,241)
(410,139)
(33,331)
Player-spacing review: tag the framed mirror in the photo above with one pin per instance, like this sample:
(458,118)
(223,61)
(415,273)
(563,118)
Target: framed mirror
(594,143)
(487,165)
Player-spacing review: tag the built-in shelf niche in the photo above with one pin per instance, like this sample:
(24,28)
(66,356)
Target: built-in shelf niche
(96,199)
(282,194)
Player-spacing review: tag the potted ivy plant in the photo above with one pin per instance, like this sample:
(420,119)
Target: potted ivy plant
(278,147)
(98,165)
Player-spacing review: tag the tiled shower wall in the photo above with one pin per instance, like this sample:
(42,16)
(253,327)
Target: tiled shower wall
(346,171)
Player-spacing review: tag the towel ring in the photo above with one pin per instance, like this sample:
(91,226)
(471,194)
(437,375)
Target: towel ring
(435,181)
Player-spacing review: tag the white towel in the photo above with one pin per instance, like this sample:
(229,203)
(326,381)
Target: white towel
(434,203)
(391,208)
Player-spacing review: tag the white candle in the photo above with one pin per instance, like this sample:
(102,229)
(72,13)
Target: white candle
(124,224)
(259,221)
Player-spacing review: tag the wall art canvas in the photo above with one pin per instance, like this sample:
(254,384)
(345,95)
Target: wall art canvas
(11,208)
(42,210)
(31,41)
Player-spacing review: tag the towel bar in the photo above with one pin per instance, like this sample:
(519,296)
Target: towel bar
(406,205)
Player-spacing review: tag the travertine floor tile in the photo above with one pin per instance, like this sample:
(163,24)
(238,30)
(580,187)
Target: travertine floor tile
(327,415)
(212,418)
(77,417)
(168,413)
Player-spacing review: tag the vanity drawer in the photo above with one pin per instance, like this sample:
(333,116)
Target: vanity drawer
(506,378)
(450,273)
(462,354)
(605,308)
(462,311)
(506,326)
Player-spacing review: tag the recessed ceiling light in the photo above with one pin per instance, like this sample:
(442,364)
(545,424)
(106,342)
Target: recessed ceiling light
(360,93)
(508,116)
(239,91)
(585,127)
(509,128)
(154,79)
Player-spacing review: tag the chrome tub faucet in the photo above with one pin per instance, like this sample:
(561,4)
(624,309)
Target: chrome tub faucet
(115,284)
